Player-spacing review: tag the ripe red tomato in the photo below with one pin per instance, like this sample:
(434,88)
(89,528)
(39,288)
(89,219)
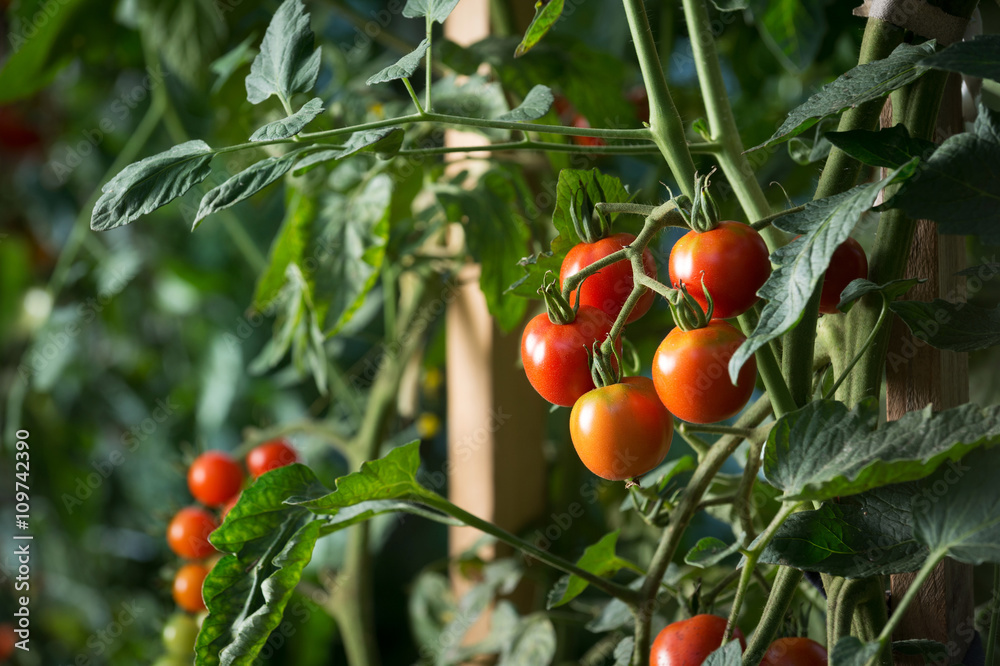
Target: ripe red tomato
(580,121)
(270,455)
(188,533)
(847,263)
(795,652)
(689,642)
(608,289)
(621,430)
(555,355)
(731,259)
(214,478)
(187,587)
(691,373)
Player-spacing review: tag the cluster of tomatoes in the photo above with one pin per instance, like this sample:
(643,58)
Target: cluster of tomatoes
(689,642)
(623,429)
(215,479)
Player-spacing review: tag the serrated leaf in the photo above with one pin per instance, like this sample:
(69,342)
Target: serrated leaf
(823,225)
(958,509)
(864,535)
(857,86)
(402,68)
(729,654)
(393,476)
(976,57)
(823,450)
(536,104)
(386,141)
(292,125)
(890,148)
(850,651)
(287,63)
(245,184)
(792,29)
(545,17)
(959,185)
(709,551)
(534,643)
(144,186)
(859,288)
(599,559)
(436,10)
(960,327)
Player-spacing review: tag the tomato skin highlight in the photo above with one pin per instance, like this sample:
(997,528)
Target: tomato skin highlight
(608,289)
(733,261)
(555,355)
(187,533)
(187,587)
(691,373)
(689,642)
(847,263)
(795,652)
(621,430)
(214,478)
(270,455)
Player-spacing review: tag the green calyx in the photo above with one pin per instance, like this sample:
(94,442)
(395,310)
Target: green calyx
(558,308)
(605,365)
(591,223)
(687,312)
(704,215)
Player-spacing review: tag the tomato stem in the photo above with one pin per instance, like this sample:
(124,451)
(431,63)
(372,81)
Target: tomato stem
(786,582)
(764,222)
(864,348)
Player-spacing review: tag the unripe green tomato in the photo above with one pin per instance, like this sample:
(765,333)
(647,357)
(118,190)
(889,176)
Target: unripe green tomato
(174,660)
(179,635)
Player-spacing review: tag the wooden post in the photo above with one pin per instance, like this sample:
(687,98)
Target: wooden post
(918,375)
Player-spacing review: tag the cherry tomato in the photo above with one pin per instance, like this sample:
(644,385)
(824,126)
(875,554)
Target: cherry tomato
(608,289)
(214,478)
(187,587)
(7,640)
(795,652)
(580,121)
(621,430)
(555,355)
(188,533)
(732,261)
(179,635)
(270,455)
(847,263)
(691,373)
(689,642)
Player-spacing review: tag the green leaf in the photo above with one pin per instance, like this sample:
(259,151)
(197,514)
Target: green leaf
(859,288)
(623,651)
(144,186)
(436,10)
(496,234)
(823,450)
(402,68)
(288,247)
(863,535)
(226,65)
(29,67)
(890,148)
(286,63)
(533,643)
(977,57)
(709,551)
(960,327)
(814,148)
(958,509)
(823,225)
(535,105)
(292,125)
(245,184)
(475,97)
(394,476)
(430,605)
(671,469)
(599,559)
(850,651)
(792,29)
(545,17)
(857,86)
(932,651)
(385,141)
(729,654)
(959,186)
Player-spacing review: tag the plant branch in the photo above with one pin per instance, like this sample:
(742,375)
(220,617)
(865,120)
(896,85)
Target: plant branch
(786,582)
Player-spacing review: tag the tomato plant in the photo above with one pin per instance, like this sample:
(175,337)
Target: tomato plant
(187,586)
(608,288)
(270,455)
(690,373)
(848,262)
(214,478)
(188,533)
(795,651)
(689,642)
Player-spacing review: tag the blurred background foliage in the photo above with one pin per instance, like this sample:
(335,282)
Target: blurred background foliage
(126,353)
